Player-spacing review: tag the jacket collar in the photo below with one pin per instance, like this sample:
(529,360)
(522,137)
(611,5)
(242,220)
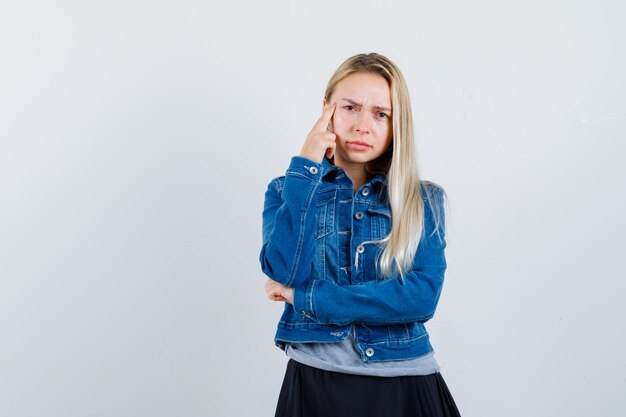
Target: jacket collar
(328,167)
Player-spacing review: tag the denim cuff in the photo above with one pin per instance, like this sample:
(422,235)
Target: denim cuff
(303,299)
(305,167)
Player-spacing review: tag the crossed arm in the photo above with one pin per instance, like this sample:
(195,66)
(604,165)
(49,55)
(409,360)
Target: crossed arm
(413,297)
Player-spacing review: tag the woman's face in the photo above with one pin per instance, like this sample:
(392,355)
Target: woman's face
(362,118)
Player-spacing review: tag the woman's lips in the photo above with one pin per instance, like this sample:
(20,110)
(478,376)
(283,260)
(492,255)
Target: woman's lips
(358,146)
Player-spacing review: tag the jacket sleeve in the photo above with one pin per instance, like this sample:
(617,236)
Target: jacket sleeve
(289,223)
(411,298)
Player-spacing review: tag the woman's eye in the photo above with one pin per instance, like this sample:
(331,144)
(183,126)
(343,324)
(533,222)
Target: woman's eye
(382,115)
(348,107)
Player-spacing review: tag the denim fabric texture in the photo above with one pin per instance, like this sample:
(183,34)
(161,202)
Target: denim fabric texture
(317,235)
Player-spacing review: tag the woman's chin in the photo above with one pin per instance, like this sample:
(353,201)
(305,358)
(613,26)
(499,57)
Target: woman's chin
(360,157)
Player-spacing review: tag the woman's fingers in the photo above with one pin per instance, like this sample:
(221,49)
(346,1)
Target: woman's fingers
(324,119)
(274,290)
(320,141)
(278,292)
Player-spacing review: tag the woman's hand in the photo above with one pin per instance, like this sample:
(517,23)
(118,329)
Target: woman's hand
(320,141)
(278,292)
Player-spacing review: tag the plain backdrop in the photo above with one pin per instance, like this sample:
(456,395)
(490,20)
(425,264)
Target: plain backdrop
(137,139)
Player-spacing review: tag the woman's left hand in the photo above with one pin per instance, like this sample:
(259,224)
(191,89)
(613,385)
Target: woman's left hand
(278,292)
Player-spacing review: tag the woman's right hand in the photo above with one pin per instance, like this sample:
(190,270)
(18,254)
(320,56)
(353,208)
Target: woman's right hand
(320,141)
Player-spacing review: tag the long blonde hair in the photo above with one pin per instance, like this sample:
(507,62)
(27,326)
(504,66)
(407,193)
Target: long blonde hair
(399,163)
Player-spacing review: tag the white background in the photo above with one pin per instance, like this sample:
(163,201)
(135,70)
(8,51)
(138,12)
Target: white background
(136,143)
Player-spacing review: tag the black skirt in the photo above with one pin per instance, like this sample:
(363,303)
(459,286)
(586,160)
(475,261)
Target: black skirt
(313,392)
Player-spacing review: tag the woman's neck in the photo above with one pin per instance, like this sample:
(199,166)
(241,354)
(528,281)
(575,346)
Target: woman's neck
(358,177)
(356,172)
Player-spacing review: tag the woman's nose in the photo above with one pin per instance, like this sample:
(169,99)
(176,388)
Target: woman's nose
(362,125)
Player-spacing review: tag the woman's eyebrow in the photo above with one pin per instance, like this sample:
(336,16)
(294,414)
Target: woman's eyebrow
(359,104)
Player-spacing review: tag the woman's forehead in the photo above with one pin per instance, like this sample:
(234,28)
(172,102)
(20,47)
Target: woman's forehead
(363,88)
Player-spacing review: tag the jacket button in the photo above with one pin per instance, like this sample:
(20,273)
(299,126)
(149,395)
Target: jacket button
(359,215)
(360,248)
(369,351)
(313,170)
(365,191)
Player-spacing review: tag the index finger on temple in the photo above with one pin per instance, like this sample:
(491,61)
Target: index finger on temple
(322,123)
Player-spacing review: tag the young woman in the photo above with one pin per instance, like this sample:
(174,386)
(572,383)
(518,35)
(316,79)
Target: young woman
(353,243)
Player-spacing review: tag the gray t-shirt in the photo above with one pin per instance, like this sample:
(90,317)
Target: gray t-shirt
(343,356)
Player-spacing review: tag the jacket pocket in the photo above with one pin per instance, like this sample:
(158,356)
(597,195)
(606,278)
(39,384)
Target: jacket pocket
(380,221)
(398,332)
(416,330)
(325,208)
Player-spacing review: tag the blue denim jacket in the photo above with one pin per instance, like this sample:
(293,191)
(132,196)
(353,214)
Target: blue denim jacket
(315,239)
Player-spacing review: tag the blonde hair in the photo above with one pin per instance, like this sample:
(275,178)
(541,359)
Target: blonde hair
(399,164)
